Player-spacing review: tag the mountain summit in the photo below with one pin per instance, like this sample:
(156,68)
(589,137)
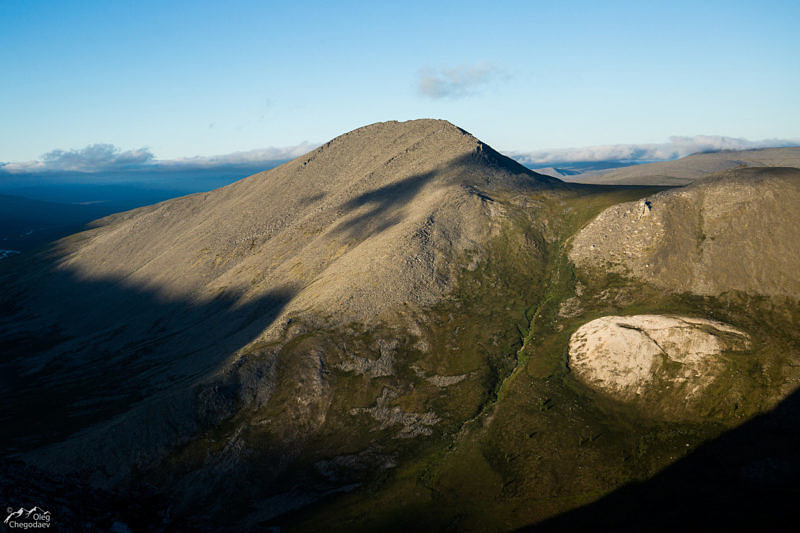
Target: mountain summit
(380,208)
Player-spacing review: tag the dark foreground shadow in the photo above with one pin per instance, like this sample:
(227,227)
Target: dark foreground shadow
(745,480)
(76,352)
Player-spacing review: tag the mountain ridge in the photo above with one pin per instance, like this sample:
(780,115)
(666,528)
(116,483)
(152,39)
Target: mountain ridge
(685,170)
(726,231)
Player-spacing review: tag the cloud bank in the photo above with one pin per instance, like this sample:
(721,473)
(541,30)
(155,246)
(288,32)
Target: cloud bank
(677,147)
(107,158)
(93,158)
(99,158)
(454,83)
(247,158)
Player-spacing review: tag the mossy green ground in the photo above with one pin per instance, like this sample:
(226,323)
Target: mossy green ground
(520,439)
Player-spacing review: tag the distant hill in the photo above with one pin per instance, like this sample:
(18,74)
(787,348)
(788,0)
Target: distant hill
(566,170)
(689,168)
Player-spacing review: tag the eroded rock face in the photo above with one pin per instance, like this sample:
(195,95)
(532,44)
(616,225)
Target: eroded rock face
(631,357)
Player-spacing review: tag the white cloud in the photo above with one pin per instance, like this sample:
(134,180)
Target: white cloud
(95,157)
(107,157)
(457,82)
(676,147)
(251,157)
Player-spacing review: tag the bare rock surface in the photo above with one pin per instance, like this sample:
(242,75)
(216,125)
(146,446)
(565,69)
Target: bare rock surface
(733,231)
(383,366)
(411,424)
(628,356)
(439,381)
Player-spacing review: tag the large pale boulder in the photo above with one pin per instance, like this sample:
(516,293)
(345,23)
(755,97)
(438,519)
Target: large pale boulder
(631,357)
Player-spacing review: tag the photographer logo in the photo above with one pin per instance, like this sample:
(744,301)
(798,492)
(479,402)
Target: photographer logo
(35,518)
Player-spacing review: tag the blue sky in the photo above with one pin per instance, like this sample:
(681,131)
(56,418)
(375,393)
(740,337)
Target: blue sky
(184,79)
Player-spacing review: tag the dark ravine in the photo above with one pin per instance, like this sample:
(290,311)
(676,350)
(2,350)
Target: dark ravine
(370,337)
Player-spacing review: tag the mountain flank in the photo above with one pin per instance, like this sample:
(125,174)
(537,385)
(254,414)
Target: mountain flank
(401,329)
(333,226)
(256,300)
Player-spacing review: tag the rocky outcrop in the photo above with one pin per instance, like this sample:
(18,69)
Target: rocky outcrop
(411,424)
(734,231)
(633,357)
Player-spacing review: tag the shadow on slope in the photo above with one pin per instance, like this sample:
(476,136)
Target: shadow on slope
(745,480)
(386,204)
(77,352)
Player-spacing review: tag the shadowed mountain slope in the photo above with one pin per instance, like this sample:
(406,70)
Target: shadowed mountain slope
(745,480)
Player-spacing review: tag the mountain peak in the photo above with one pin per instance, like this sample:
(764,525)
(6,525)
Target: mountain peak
(432,125)
(394,149)
(371,228)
